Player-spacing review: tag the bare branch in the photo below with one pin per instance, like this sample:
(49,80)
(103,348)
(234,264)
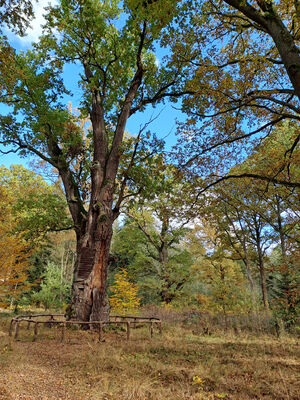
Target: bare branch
(232,140)
(254,176)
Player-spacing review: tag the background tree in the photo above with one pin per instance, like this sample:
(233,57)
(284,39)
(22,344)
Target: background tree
(162,213)
(35,210)
(14,256)
(245,75)
(223,282)
(132,251)
(285,295)
(39,208)
(246,231)
(157,281)
(228,217)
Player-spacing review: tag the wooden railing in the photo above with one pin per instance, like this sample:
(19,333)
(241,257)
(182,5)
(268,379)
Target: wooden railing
(127,320)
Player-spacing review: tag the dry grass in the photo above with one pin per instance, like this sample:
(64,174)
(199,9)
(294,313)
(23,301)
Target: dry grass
(179,365)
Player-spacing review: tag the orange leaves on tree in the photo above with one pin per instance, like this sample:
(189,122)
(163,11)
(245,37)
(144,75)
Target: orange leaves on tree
(14,265)
(14,257)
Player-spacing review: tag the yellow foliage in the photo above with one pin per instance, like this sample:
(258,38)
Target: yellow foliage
(125,298)
(14,256)
(203,301)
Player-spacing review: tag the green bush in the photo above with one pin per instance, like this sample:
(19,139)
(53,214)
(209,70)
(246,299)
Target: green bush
(55,289)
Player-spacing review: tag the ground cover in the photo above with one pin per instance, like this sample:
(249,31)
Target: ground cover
(180,364)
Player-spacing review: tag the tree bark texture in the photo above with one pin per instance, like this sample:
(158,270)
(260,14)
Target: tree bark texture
(89,299)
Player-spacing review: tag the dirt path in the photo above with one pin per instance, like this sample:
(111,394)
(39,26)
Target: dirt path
(38,371)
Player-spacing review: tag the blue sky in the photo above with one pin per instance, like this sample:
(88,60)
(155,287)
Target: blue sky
(165,115)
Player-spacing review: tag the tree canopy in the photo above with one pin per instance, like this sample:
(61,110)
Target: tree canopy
(244,73)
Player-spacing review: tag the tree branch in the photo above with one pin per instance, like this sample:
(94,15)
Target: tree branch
(254,176)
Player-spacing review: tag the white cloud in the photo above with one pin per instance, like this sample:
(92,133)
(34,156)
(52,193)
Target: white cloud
(35,29)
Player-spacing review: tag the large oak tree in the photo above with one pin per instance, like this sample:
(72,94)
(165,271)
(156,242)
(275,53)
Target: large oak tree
(119,77)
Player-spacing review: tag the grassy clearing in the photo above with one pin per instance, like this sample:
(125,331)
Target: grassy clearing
(181,364)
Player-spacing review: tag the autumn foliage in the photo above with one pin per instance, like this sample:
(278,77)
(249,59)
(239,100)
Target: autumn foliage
(124,297)
(14,256)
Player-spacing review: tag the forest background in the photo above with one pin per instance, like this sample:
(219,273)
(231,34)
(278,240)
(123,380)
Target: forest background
(182,241)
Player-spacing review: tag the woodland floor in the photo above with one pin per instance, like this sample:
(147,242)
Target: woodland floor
(178,365)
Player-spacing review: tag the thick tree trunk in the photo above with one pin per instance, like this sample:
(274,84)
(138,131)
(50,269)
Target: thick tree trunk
(163,254)
(284,41)
(287,49)
(89,299)
(166,296)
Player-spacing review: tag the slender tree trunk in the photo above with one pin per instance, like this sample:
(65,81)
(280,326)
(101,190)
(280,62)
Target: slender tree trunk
(250,280)
(261,265)
(249,276)
(263,283)
(280,229)
(225,316)
(248,272)
(223,296)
